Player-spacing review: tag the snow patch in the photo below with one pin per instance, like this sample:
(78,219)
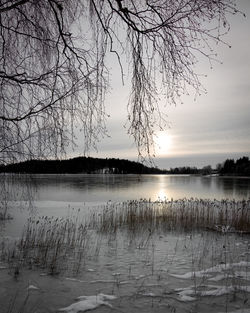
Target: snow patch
(140,277)
(209,271)
(75,279)
(190,293)
(148,294)
(32,287)
(116,274)
(237,274)
(86,303)
(124,282)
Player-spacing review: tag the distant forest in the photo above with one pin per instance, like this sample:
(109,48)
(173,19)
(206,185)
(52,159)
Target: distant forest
(88,165)
(240,167)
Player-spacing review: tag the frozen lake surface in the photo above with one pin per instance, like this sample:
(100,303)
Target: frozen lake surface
(101,188)
(126,271)
(173,272)
(55,195)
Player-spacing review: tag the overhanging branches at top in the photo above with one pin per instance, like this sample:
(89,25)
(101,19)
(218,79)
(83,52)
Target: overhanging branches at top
(54,76)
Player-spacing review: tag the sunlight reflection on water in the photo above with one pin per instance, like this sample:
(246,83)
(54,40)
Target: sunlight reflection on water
(102,188)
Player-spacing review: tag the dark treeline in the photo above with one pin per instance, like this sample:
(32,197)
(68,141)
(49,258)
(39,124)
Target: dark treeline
(120,166)
(184,170)
(240,167)
(206,170)
(81,165)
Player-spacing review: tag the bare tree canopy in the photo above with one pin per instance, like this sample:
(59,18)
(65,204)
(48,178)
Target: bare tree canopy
(53,70)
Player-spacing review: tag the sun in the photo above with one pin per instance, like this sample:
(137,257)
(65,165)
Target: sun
(163,143)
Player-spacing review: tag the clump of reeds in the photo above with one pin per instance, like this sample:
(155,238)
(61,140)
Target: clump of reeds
(183,214)
(48,242)
(57,244)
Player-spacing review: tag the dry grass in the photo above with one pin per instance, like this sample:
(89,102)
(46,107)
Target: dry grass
(57,244)
(47,243)
(184,214)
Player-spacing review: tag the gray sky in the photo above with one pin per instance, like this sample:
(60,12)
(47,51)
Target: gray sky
(206,131)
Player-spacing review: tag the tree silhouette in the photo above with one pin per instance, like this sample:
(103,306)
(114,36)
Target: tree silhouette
(79,165)
(54,76)
(238,167)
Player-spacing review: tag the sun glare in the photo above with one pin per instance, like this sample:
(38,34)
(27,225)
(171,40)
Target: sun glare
(163,143)
(162,195)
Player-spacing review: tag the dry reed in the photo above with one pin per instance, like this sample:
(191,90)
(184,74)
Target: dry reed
(183,214)
(48,242)
(57,244)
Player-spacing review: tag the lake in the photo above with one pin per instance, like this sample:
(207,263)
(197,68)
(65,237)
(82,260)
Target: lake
(144,269)
(103,188)
(54,195)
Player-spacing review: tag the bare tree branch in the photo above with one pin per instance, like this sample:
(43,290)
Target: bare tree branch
(12,6)
(53,73)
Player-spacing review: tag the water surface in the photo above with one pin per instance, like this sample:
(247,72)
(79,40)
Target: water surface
(103,188)
(147,273)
